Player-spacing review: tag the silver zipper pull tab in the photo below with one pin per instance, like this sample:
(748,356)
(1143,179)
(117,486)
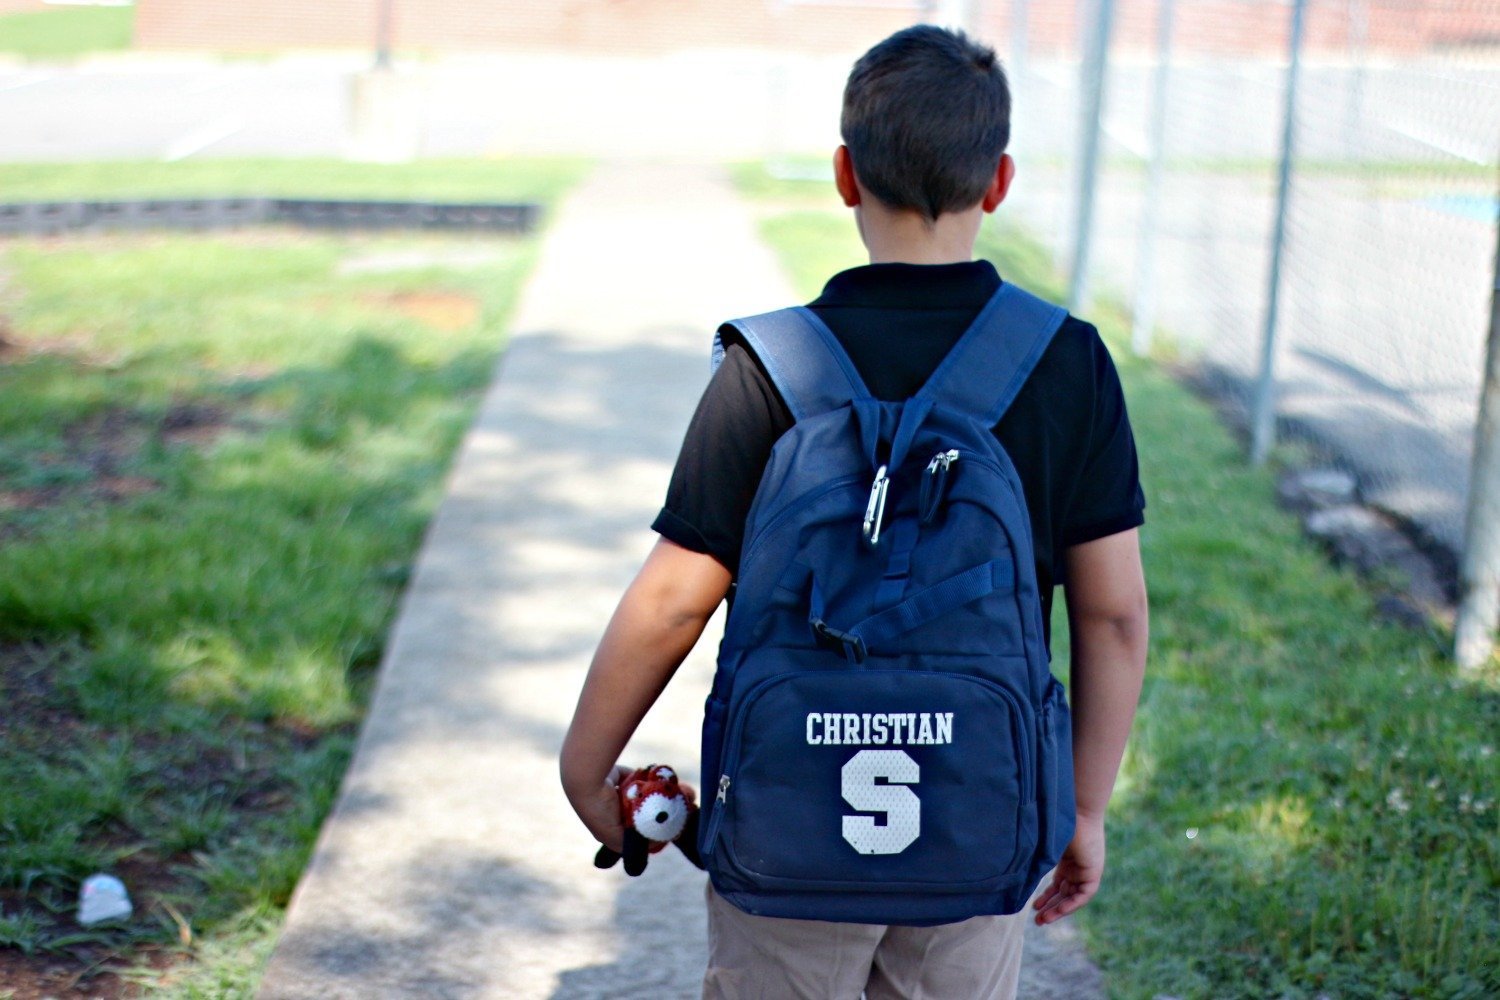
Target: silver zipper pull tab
(935,484)
(943,460)
(875,509)
(723,795)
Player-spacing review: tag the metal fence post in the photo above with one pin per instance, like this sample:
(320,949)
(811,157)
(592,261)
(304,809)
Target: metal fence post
(1479,576)
(1143,322)
(383,17)
(1263,425)
(1093,86)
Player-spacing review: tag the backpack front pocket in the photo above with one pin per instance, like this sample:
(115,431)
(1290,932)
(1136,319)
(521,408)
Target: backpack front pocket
(877,779)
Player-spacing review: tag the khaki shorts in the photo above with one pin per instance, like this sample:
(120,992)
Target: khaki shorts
(769,958)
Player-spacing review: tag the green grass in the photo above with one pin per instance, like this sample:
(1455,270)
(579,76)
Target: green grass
(801,179)
(1308,805)
(217,457)
(537,179)
(66,31)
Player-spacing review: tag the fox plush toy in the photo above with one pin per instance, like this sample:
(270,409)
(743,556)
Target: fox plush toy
(656,810)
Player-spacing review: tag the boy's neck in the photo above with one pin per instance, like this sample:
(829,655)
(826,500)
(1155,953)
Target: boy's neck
(908,237)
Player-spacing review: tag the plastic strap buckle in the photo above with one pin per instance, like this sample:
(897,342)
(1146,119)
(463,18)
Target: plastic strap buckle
(852,645)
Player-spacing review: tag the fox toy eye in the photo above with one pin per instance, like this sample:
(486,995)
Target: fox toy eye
(633,792)
(661,818)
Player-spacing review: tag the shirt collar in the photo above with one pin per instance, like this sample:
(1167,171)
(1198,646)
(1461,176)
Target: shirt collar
(912,286)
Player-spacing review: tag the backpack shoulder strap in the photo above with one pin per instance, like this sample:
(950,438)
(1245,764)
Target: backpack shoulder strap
(802,356)
(985,370)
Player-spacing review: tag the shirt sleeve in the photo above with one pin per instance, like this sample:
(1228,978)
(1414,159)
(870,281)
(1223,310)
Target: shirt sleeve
(724,454)
(1108,497)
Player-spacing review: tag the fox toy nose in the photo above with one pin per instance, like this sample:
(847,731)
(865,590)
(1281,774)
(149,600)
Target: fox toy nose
(661,817)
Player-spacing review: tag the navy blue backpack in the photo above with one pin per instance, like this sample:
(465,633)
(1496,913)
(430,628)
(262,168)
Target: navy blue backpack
(884,742)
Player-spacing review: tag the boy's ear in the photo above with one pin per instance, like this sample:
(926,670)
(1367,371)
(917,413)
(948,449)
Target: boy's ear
(843,177)
(1000,183)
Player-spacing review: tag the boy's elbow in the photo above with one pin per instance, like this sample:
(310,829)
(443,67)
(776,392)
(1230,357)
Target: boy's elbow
(1133,630)
(685,616)
(1123,624)
(681,590)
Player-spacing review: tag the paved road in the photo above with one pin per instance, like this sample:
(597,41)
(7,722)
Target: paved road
(705,103)
(170,108)
(451,865)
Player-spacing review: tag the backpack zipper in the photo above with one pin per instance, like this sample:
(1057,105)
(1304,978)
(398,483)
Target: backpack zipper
(935,484)
(731,752)
(942,460)
(804,500)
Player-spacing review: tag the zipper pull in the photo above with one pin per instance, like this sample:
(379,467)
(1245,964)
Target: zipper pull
(935,484)
(942,460)
(716,817)
(875,509)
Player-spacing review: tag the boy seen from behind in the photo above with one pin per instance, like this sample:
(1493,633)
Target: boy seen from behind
(926,120)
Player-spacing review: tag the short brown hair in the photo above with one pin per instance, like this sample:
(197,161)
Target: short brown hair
(926,118)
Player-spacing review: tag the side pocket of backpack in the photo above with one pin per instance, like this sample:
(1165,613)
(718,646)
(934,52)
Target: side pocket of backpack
(715,712)
(1055,802)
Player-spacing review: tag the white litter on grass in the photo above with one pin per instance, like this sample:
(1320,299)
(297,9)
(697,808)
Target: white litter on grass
(102,897)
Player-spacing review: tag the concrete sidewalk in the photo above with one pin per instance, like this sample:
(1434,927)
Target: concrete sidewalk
(451,865)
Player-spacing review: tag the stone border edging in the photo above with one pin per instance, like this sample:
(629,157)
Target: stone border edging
(52,217)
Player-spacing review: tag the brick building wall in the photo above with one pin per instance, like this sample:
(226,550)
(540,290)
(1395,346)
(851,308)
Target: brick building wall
(647,27)
(616,27)
(21,6)
(1263,26)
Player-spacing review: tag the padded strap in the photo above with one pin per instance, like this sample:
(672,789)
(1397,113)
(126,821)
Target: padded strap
(937,600)
(802,356)
(987,367)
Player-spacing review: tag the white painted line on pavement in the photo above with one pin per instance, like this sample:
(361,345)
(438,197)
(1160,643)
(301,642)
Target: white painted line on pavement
(201,139)
(28,83)
(218,79)
(1133,142)
(1440,143)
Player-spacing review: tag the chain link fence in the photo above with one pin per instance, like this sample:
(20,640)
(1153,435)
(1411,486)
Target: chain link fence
(1388,248)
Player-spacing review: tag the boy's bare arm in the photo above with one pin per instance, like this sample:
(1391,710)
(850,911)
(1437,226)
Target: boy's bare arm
(1108,626)
(658,620)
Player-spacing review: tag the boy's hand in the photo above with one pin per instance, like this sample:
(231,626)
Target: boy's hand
(1078,873)
(599,808)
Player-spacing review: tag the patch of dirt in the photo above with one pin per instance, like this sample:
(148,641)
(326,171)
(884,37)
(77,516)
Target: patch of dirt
(98,454)
(93,970)
(40,977)
(198,424)
(32,702)
(241,761)
(27,499)
(36,716)
(78,349)
(442,310)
